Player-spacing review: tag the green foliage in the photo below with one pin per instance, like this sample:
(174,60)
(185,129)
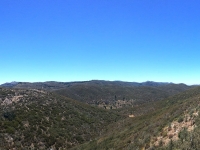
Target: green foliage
(180,119)
(107,93)
(137,133)
(46,119)
(10,115)
(50,119)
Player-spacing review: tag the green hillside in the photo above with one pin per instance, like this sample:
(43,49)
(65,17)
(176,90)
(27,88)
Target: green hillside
(119,94)
(107,94)
(40,120)
(173,123)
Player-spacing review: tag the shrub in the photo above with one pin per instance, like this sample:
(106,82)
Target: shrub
(10,130)
(180,119)
(10,115)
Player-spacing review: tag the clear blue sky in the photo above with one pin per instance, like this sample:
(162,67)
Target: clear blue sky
(77,40)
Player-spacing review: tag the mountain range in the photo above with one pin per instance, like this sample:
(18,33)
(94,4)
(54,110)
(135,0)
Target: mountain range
(99,114)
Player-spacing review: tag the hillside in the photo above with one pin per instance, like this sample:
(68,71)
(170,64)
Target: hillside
(107,94)
(119,94)
(151,117)
(39,119)
(173,123)
(53,85)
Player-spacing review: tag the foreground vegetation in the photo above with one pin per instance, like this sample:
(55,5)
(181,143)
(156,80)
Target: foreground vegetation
(142,132)
(40,120)
(37,119)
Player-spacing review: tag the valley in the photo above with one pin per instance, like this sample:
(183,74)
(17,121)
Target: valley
(99,115)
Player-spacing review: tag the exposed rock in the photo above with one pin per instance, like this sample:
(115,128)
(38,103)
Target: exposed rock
(7,102)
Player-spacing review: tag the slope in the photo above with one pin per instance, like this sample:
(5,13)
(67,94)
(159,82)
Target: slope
(117,95)
(107,94)
(39,119)
(173,123)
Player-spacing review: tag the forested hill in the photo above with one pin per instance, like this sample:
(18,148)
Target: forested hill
(173,123)
(107,94)
(36,119)
(118,94)
(53,85)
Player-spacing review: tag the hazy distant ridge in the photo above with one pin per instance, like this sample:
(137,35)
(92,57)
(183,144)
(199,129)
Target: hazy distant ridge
(58,85)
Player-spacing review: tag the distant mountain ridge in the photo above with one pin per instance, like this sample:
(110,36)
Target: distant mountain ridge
(107,94)
(58,85)
(9,84)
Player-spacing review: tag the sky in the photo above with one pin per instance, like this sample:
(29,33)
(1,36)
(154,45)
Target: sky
(81,40)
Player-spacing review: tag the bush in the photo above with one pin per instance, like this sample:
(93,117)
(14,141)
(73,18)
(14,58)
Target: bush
(10,130)
(180,119)
(9,115)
